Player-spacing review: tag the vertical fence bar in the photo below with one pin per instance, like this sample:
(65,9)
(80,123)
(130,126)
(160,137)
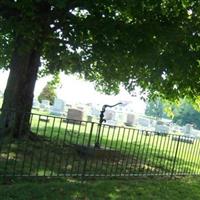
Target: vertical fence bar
(133,152)
(124,163)
(73,155)
(144,134)
(48,150)
(101,158)
(193,157)
(159,154)
(106,160)
(115,149)
(175,156)
(154,152)
(196,157)
(181,161)
(111,147)
(120,150)
(129,152)
(62,147)
(162,156)
(146,155)
(189,154)
(138,152)
(86,159)
(150,154)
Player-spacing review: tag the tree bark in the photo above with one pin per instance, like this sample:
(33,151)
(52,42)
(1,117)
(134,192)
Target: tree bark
(18,95)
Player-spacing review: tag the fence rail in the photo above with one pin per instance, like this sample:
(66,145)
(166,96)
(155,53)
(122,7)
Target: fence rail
(58,147)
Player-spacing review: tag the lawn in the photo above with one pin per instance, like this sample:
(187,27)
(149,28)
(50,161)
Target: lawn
(156,152)
(137,189)
(124,151)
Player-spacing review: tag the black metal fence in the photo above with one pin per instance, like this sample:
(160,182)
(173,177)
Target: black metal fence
(59,147)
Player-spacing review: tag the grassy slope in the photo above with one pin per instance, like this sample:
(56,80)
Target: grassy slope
(148,189)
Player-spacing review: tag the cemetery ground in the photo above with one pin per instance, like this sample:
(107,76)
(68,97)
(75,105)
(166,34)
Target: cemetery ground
(51,153)
(70,189)
(57,150)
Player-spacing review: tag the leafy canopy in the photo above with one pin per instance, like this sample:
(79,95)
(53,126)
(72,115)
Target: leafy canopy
(146,43)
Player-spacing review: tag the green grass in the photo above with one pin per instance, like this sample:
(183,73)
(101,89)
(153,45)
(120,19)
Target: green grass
(157,152)
(135,153)
(137,189)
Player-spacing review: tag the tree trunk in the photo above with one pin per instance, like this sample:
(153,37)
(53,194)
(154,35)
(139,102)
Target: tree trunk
(18,96)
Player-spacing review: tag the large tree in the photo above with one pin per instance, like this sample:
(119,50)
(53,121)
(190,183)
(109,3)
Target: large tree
(153,44)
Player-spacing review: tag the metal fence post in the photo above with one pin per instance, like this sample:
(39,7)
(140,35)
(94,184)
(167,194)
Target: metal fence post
(175,156)
(88,146)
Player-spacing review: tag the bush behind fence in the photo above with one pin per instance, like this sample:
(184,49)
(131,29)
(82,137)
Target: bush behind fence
(58,146)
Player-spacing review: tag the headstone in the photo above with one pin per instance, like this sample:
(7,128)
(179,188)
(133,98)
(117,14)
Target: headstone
(58,107)
(36,104)
(95,112)
(120,118)
(74,115)
(89,118)
(143,122)
(130,119)
(44,119)
(109,115)
(162,129)
(45,104)
(188,129)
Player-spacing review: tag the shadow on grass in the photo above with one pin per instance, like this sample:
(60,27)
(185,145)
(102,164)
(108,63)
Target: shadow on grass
(63,155)
(72,189)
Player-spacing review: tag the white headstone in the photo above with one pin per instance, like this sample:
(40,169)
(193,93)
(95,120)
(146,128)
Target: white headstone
(95,112)
(130,119)
(109,115)
(188,128)
(162,128)
(45,104)
(36,104)
(58,107)
(143,122)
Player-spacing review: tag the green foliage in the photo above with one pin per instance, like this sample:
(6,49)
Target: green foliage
(182,113)
(186,113)
(155,109)
(49,91)
(151,44)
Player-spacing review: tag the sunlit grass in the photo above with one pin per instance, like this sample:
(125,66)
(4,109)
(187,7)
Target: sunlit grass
(159,150)
(55,150)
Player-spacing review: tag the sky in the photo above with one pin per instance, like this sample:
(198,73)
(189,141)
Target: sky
(73,90)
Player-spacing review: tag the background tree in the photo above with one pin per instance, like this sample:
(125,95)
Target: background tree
(181,113)
(49,91)
(151,44)
(186,114)
(155,109)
